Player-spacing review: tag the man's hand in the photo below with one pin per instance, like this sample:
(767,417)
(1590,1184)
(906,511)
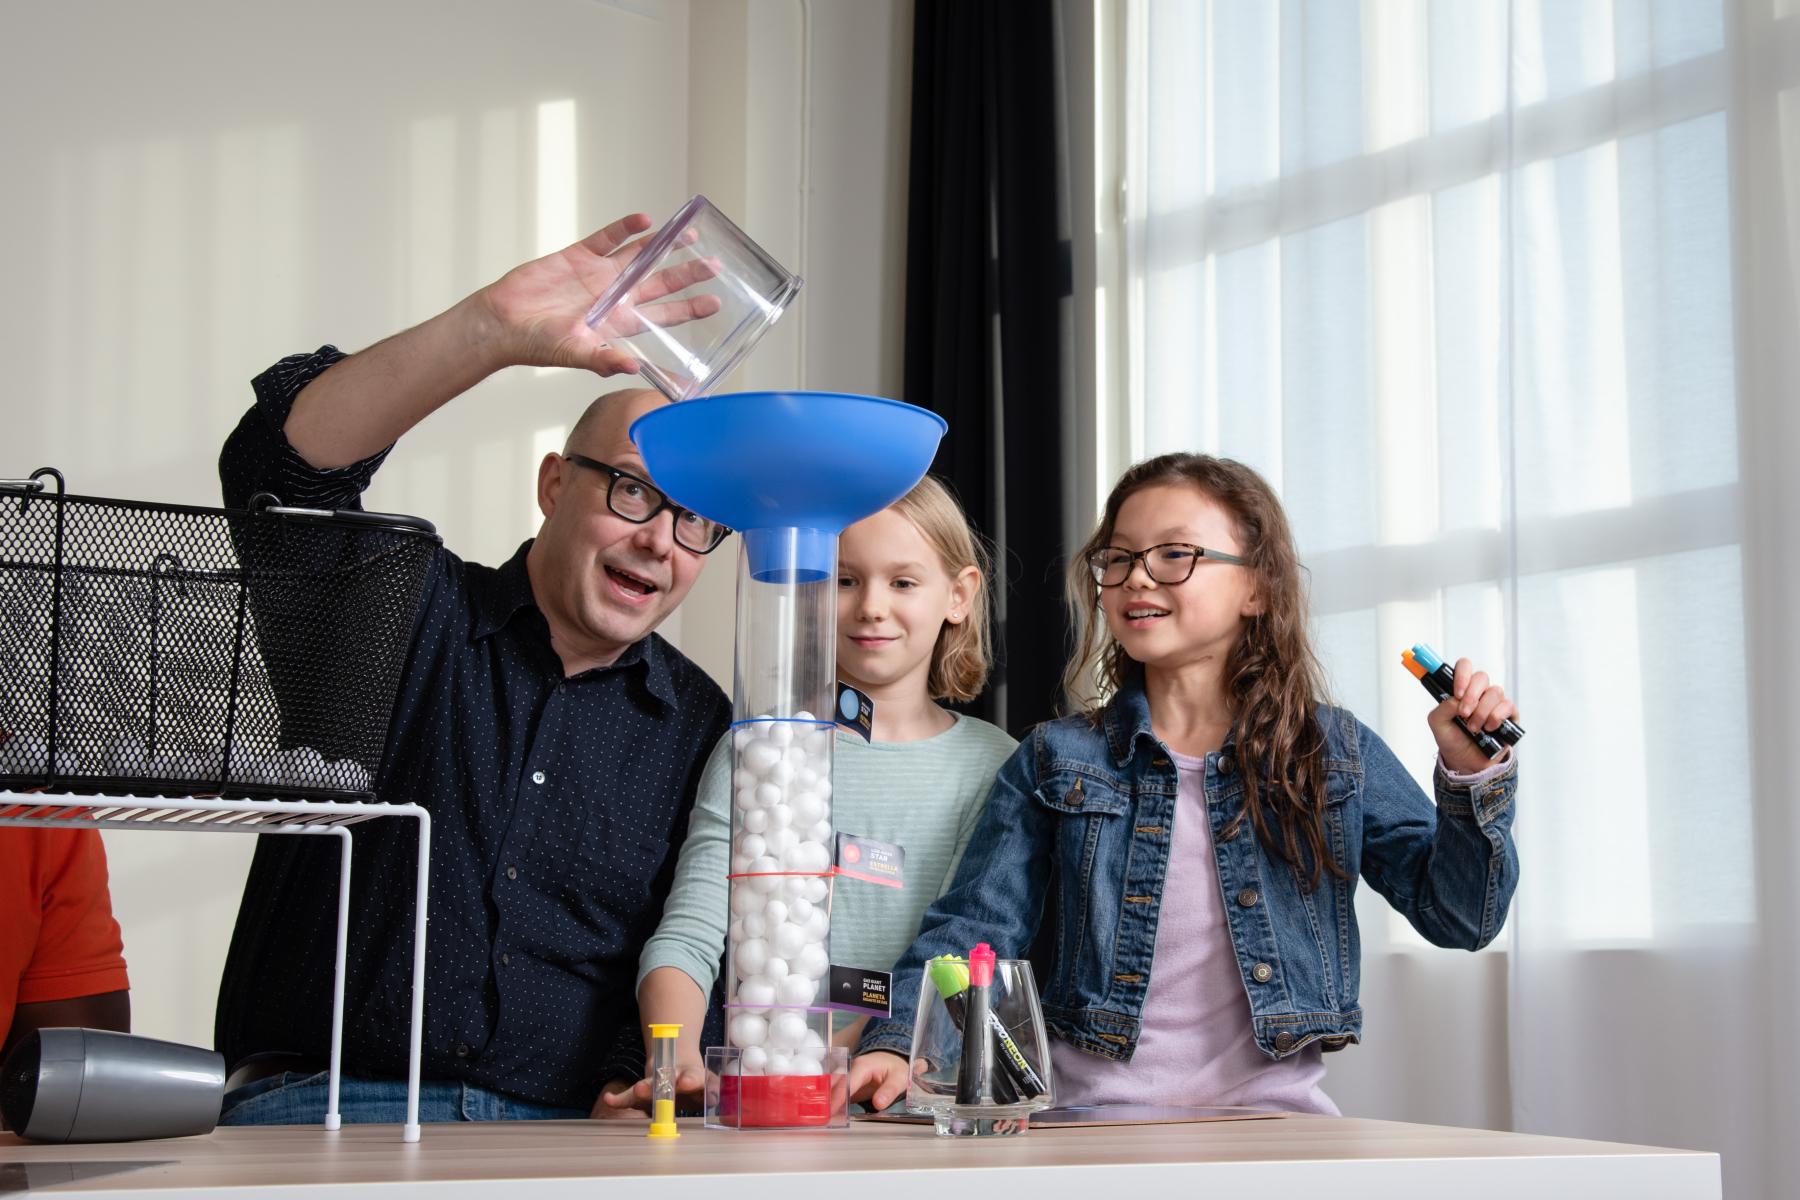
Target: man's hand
(534,315)
(880,1077)
(617,1099)
(539,310)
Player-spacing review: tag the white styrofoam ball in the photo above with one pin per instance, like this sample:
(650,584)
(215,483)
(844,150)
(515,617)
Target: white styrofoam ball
(787,1031)
(782,734)
(800,908)
(763,875)
(780,772)
(767,795)
(755,924)
(742,736)
(807,856)
(805,1064)
(752,845)
(734,932)
(817,890)
(817,927)
(751,958)
(756,820)
(798,758)
(819,742)
(754,1060)
(788,940)
(745,901)
(796,887)
(779,1063)
(795,990)
(812,962)
(806,779)
(804,715)
(740,864)
(760,756)
(744,799)
(805,808)
(748,1029)
(776,912)
(823,787)
(780,816)
(743,777)
(820,833)
(758,991)
(777,969)
(815,1041)
(780,841)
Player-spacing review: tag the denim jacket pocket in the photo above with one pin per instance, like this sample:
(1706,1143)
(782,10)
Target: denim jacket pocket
(1091,842)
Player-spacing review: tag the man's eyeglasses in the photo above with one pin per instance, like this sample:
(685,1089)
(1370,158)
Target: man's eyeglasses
(1171,562)
(638,500)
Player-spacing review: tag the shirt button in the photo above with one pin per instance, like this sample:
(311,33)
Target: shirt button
(505,960)
(1284,1041)
(537,777)
(1262,972)
(462,1051)
(1248,897)
(512,872)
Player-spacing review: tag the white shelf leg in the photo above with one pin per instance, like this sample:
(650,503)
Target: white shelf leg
(411,1133)
(332,1118)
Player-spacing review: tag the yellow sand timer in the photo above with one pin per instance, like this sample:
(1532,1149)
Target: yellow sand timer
(662,1081)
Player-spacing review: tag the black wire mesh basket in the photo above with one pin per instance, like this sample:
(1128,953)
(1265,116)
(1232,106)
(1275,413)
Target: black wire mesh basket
(170,650)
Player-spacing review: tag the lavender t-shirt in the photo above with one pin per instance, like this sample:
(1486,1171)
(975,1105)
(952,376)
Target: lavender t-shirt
(1195,1047)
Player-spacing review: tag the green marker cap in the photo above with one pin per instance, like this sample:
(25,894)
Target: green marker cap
(950,974)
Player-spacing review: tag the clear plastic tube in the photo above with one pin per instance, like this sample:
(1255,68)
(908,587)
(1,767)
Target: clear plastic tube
(782,839)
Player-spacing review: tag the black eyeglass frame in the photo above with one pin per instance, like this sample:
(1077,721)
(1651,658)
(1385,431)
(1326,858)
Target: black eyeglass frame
(663,502)
(1099,570)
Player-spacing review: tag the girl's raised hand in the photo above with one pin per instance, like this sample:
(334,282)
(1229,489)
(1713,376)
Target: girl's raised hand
(1481,704)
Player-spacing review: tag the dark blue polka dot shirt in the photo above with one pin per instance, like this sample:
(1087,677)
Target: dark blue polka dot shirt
(555,804)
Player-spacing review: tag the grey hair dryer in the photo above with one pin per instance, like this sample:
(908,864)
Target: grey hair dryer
(92,1085)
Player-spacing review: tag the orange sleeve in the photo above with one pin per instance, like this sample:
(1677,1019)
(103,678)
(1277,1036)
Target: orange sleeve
(79,951)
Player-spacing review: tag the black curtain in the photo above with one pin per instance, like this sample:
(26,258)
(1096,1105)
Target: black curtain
(987,290)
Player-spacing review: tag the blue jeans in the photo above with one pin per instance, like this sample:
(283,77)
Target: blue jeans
(292,1098)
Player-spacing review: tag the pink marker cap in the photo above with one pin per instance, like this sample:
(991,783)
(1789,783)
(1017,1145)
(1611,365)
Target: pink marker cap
(981,965)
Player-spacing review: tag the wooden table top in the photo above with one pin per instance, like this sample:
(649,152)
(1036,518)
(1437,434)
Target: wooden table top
(1341,1157)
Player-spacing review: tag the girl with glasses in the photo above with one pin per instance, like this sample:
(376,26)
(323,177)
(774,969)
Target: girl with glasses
(913,632)
(1182,851)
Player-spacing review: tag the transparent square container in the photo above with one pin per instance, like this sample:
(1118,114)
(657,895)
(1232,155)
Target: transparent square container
(702,256)
(739,1100)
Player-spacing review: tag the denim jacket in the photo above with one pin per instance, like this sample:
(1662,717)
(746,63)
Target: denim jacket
(1094,805)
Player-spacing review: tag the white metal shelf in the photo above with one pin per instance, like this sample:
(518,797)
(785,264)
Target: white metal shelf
(317,818)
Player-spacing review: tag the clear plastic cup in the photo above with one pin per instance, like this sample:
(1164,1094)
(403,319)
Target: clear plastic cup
(1016,1081)
(736,288)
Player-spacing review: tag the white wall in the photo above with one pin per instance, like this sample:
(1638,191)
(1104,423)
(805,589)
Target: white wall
(194,190)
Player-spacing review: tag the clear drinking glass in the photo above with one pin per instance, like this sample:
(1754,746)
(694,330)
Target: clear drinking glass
(739,290)
(1018,1082)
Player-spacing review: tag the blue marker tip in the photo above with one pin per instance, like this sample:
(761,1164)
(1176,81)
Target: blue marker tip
(1427,657)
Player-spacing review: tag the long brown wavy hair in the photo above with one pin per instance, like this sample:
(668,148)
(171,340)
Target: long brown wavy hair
(1273,680)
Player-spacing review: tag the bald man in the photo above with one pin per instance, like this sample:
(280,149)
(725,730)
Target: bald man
(554,737)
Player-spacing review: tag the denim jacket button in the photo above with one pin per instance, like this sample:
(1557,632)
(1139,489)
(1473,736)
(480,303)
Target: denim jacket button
(1248,897)
(1262,972)
(1226,764)
(1284,1041)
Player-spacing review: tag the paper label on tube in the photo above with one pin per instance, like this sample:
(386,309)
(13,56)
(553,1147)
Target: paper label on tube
(856,989)
(855,711)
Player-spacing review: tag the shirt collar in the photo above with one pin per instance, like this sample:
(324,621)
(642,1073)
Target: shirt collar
(1128,718)
(498,596)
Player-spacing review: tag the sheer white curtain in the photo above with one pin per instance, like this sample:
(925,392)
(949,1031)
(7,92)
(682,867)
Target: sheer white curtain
(1500,297)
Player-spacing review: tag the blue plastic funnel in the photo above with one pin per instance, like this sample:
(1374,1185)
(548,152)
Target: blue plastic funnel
(788,469)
